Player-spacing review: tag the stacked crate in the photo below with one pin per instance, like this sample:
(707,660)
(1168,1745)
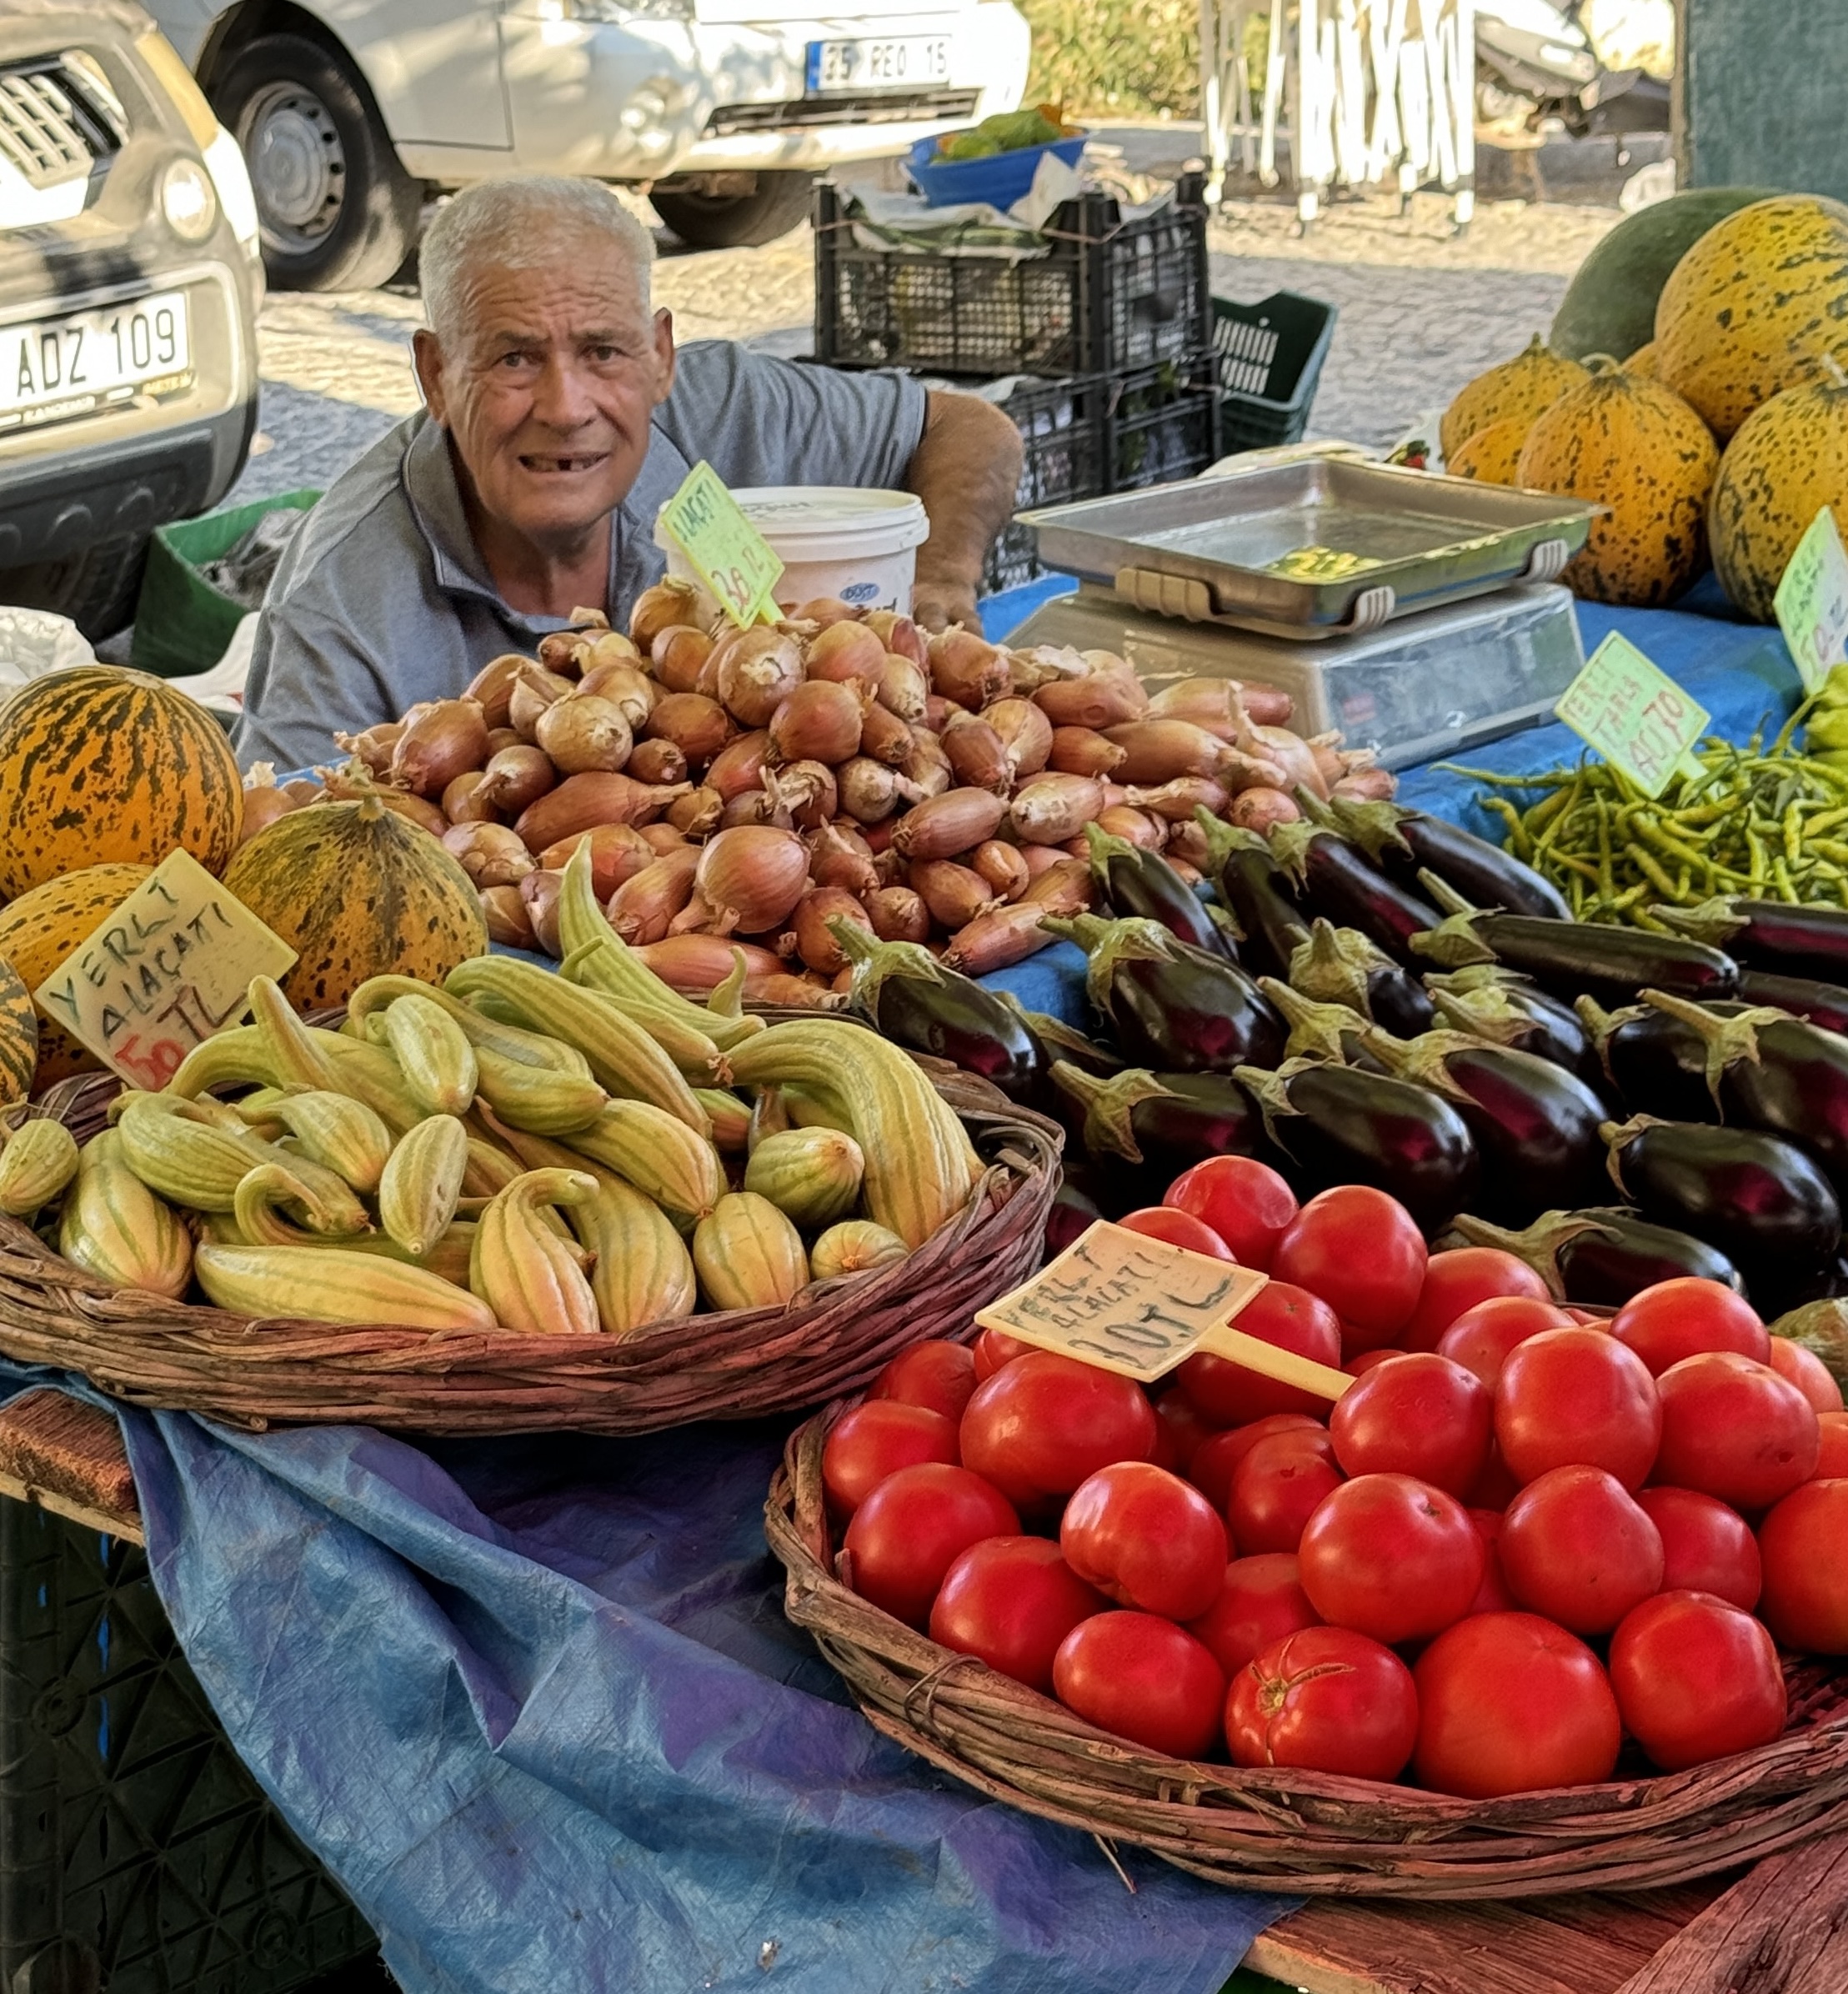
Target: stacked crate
(1116,318)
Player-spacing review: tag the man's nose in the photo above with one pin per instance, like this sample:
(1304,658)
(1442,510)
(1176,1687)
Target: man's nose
(560,396)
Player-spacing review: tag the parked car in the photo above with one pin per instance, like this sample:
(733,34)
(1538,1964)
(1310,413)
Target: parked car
(353,112)
(130,277)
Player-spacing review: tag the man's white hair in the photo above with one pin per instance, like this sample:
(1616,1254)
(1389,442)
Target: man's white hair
(520,224)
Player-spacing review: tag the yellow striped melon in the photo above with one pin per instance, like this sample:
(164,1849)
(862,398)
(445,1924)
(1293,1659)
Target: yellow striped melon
(1637,449)
(18,1035)
(42,926)
(1641,364)
(1788,461)
(99,766)
(1753,305)
(1492,456)
(1520,387)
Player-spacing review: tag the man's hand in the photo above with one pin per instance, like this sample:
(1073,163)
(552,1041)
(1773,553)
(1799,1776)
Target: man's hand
(936,605)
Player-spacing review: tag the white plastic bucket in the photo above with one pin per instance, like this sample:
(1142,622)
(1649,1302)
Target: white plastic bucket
(832,540)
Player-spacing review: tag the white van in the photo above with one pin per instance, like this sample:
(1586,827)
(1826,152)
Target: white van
(351,113)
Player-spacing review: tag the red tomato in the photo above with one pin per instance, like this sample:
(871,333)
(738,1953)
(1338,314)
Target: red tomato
(1832,1458)
(876,1439)
(1706,1547)
(1422,1415)
(1011,1600)
(1144,1678)
(908,1532)
(1261,1600)
(1508,1703)
(1495,1488)
(1576,1546)
(1275,1490)
(1681,1318)
(1805,1602)
(1696,1679)
(1363,1254)
(1043,1423)
(1577,1398)
(1481,1337)
(1216,1460)
(1327,1699)
(1807,1372)
(1734,1429)
(992,1349)
(1186,1429)
(1358,1365)
(1292,1319)
(1146,1538)
(1246,1202)
(937,1374)
(1492,1595)
(1178,1229)
(1391,1557)
(1457,1280)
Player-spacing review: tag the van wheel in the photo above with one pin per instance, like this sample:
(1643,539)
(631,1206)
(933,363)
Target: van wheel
(777,203)
(338,212)
(98,589)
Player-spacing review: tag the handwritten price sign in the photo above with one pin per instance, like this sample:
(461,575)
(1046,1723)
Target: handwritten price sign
(1812,601)
(1635,716)
(728,553)
(168,969)
(1127,1303)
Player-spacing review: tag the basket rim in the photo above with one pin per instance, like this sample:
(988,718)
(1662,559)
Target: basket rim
(1282,1828)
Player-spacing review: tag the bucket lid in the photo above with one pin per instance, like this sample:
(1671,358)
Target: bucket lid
(832,522)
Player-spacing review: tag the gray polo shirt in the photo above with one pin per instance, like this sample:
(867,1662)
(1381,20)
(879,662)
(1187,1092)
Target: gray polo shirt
(382,599)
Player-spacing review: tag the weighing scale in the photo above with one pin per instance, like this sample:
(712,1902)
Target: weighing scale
(1418,614)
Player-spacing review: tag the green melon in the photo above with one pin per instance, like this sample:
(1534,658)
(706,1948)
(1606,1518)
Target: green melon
(1609,306)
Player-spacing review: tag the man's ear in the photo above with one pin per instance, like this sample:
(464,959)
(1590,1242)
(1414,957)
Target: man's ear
(664,355)
(426,362)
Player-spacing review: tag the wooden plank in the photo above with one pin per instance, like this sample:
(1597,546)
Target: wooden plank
(68,1457)
(1580,1945)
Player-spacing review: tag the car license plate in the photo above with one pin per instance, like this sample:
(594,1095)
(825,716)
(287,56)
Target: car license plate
(60,367)
(899,62)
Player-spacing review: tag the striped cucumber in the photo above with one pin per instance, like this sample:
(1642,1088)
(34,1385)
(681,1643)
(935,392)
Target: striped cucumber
(528,1276)
(811,1175)
(853,1246)
(527,1048)
(541,1099)
(324,1203)
(433,1054)
(331,1284)
(422,1182)
(731,1120)
(237,1057)
(179,1152)
(339,1133)
(748,1255)
(36,1165)
(114,1227)
(658,1155)
(641,1272)
(297,1057)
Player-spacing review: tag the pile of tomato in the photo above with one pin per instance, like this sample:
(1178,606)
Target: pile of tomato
(1523,1535)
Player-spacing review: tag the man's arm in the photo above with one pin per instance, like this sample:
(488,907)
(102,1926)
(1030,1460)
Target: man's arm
(966,468)
(308,679)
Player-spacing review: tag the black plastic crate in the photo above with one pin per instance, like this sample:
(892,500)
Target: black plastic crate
(1271,357)
(1108,295)
(137,1855)
(1161,423)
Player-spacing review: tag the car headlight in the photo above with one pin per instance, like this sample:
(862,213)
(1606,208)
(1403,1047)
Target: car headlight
(187,201)
(224,161)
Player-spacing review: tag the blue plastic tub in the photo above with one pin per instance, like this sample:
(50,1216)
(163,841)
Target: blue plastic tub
(1000,180)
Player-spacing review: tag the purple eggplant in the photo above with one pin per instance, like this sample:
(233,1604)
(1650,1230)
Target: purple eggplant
(913,1000)
(1824,1004)
(1496,1004)
(1254,893)
(1758,1198)
(1339,965)
(1771,1071)
(1767,934)
(1334,878)
(1652,1063)
(1166,1122)
(1599,1257)
(1535,1125)
(1401,842)
(1172,1007)
(1337,1124)
(1574,958)
(1138,884)
(1072,1215)
(1322,1031)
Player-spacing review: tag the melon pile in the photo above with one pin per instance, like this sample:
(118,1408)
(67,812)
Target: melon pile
(1694,385)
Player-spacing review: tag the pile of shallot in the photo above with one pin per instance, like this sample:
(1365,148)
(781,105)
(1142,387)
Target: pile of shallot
(745,787)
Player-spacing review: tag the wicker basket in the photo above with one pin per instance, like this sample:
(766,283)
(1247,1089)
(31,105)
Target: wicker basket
(738,1363)
(1281,1830)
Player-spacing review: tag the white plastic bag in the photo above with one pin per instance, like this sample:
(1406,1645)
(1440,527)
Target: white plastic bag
(34,641)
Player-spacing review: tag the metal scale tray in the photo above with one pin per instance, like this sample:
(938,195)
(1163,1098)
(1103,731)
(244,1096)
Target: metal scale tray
(1200,551)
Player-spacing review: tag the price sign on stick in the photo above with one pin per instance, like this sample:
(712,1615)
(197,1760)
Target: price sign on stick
(168,969)
(728,553)
(1812,601)
(1636,717)
(1127,1303)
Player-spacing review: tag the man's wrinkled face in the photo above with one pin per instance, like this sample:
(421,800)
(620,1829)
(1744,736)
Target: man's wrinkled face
(548,387)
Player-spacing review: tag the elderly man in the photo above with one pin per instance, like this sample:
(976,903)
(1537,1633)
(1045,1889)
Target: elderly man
(558,418)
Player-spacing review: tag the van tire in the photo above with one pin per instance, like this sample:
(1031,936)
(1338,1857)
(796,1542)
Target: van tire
(778,202)
(98,589)
(338,209)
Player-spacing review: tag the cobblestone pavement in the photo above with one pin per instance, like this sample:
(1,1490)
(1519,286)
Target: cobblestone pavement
(1422,309)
